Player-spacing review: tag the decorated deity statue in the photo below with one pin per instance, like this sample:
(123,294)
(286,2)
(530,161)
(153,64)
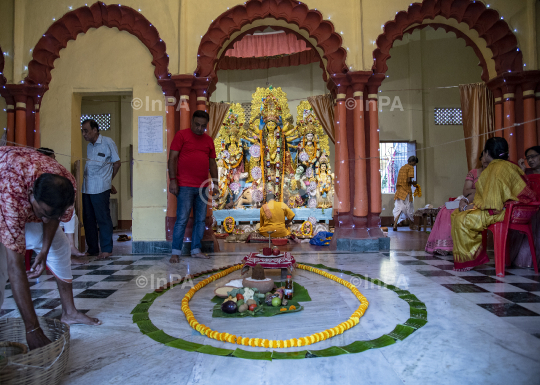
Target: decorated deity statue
(325,192)
(271,132)
(231,157)
(297,188)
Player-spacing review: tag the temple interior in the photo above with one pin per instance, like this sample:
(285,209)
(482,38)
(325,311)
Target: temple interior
(320,109)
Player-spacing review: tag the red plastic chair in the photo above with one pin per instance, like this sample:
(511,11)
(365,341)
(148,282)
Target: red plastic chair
(517,217)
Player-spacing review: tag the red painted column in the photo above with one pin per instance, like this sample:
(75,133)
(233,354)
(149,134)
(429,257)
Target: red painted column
(537,97)
(169,89)
(341,185)
(509,119)
(360,200)
(20,119)
(497,93)
(10,127)
(184,84)
(530,137)
(374,152)
(37,132)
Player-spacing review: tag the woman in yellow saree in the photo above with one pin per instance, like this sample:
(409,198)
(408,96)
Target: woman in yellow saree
(500,182)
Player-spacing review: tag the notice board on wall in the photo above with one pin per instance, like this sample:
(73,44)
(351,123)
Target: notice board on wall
(150,134)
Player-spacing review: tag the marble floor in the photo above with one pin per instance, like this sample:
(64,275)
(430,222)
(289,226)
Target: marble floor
(481,329)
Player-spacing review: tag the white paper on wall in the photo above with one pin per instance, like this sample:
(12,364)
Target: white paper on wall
(150,134)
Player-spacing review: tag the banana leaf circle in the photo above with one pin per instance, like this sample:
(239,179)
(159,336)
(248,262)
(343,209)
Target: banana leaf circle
(418,318)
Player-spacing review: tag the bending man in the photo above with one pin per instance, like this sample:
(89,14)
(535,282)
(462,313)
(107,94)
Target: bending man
(36,194)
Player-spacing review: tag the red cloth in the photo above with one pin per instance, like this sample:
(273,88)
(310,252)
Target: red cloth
(283,262)
(264,45)
(194,158)
(19,169)
(295,59)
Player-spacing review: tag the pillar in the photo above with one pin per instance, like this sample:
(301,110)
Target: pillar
(537,97)
(497,93)
(20,119)
(509,121)
(374,151)
(360,200)
(37,132)
(10,128)
(341,185)
(530,137)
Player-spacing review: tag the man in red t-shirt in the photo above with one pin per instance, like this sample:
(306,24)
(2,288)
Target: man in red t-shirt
(191,156)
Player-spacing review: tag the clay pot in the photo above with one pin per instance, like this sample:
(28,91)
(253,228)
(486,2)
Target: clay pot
(263,286)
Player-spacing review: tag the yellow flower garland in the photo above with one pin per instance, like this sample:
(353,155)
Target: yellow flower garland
(226,226)
(304,233)
(417,191)
(261,342)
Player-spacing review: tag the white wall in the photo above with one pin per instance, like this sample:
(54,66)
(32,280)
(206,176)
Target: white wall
(419,64)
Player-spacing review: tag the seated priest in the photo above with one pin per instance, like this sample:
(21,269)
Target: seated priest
(273,215)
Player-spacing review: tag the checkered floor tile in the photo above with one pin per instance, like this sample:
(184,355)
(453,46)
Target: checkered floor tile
(93,281)
(513,296)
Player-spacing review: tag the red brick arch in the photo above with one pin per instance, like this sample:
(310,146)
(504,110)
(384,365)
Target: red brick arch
(80,20)
(293,12)
(486,21)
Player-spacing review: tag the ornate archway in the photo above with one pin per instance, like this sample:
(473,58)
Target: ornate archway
(460,35)
(80,20)
(487,22)
(321,33)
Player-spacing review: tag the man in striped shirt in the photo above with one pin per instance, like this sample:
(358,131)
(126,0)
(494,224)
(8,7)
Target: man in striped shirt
(102,165)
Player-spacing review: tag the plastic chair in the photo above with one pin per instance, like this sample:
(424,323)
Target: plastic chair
(517,217)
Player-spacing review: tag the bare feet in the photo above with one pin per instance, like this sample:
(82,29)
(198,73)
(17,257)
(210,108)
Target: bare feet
(79,318)
(200,255)
(37,339)
(82,260)
(174,259)
(104,255)
(76,253)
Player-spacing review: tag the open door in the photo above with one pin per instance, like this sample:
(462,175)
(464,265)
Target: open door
(77,173)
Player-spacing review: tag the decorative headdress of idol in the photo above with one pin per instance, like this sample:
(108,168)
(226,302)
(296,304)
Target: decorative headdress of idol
(308,122)
(269,104)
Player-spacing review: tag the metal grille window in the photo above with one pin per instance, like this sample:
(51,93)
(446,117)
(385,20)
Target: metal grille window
(448,116)
(103,120)
(394,155)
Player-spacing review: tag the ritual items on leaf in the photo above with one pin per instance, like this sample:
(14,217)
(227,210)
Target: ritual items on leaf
(258,280)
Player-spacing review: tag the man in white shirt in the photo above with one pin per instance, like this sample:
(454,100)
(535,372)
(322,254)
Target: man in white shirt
(101,167)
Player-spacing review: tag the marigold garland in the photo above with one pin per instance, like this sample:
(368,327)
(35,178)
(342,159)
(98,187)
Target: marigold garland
(229,228)
(261,342)
(303,229)
(417,191)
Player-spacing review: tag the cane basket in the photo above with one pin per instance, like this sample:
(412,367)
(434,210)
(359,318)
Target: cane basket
(45,365)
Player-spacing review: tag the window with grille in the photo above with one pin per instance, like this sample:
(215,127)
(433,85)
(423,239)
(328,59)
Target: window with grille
(448,116)
(394,155)
(103,120)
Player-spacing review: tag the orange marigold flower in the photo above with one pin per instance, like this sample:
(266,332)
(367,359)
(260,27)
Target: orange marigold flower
(292,307)
(283,309)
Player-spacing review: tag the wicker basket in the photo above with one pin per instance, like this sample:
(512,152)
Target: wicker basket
(40,366)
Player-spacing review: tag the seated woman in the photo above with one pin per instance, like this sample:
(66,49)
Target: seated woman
(273,216)
(440,239)
(520,252)
(500,182)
